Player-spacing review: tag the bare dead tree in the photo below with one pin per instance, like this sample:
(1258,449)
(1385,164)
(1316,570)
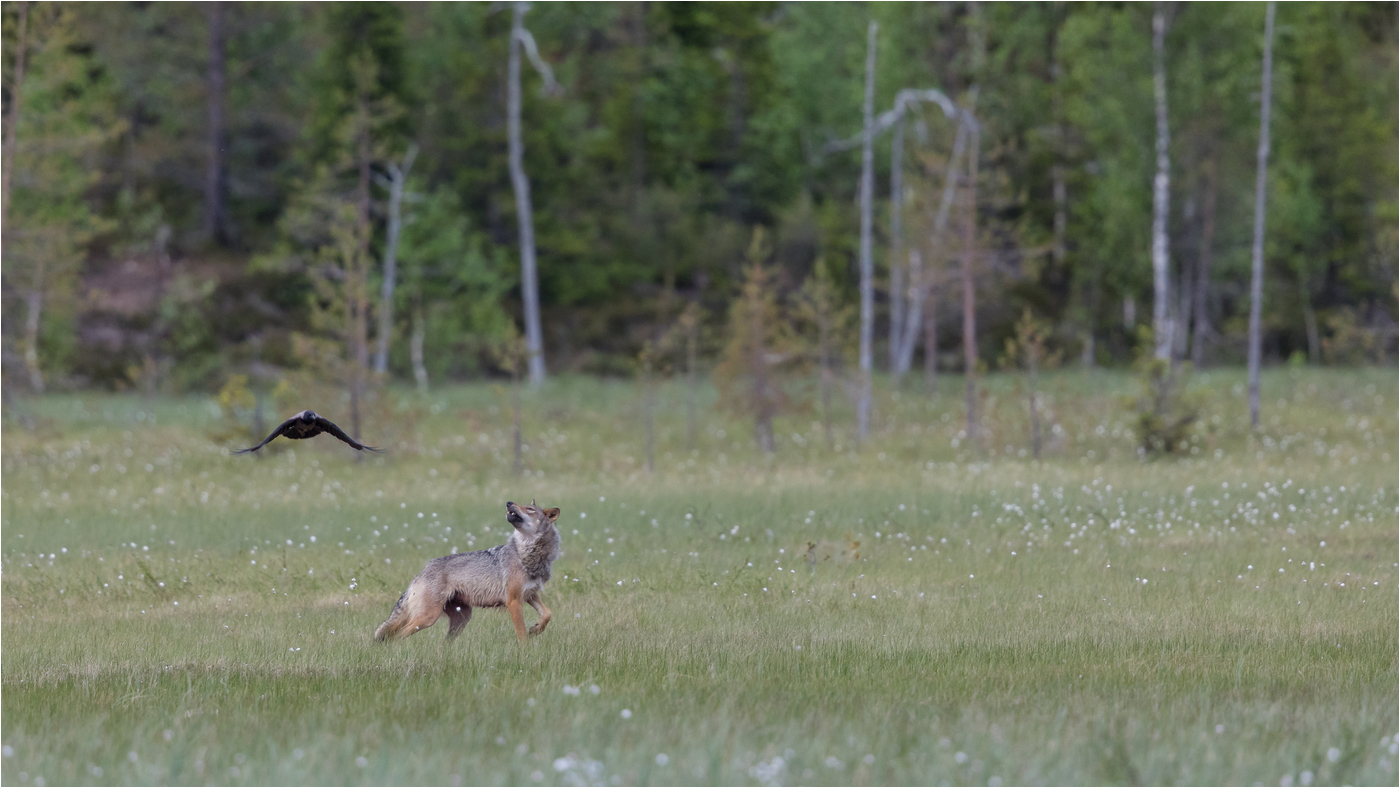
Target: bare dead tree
(867,273)
(902,333)
(1256,280)
(969,252)
(529,276)
(896,241)
(398,177)
(216,168)
(1161,193)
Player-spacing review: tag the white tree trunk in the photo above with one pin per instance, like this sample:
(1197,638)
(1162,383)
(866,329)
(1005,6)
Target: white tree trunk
(969,292)
(529,277)
(398,176)
(1256,280)
(896,242)
(1161,195)
(867,273)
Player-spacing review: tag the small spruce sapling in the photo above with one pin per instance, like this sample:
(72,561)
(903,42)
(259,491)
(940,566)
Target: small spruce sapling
(1164,410)
(760,340)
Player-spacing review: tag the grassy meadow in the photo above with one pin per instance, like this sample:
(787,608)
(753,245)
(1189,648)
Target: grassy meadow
(919,610)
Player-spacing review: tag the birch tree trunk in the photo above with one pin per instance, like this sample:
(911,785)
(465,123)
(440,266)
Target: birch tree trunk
(12,122)
(897,294)
(216,169)
(867,274)
(969,293)
(529,277)
(357,274)
(1161,195)
(977,35)
(1256,279)
(1204,258)
(398,176)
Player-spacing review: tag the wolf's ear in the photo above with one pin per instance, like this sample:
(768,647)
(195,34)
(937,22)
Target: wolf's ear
(552,514)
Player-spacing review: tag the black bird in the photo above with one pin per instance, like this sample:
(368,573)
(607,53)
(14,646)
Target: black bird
(308,424)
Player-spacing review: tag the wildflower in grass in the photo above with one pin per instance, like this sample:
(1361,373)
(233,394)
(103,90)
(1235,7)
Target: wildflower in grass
(662,759)
(362,761)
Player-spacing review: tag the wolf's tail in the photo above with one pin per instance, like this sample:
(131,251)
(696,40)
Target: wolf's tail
(398,618)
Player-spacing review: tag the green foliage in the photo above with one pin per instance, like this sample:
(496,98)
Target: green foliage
(680,127)
(65,119)
(446,269)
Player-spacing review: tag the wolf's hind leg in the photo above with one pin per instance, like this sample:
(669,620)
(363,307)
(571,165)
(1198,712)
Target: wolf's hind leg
(543,621)
(458,614)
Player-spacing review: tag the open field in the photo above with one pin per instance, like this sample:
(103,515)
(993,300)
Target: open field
(919,611)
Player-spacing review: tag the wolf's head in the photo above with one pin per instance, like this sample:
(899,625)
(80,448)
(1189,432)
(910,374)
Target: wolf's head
(530,521)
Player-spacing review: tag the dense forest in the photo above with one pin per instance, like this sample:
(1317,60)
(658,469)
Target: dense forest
(433,192)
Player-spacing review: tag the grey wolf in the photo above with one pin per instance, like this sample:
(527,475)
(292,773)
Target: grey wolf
(308,424)
(508,575)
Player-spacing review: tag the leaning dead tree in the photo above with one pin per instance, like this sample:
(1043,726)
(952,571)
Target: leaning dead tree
(1256,283)
(907,320)
(921,283)
(529,277)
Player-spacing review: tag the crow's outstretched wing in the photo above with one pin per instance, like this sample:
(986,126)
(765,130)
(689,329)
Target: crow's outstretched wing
(281,429)
(328,426)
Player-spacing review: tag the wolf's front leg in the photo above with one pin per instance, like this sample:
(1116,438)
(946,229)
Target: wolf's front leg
(517,616)
(543,621)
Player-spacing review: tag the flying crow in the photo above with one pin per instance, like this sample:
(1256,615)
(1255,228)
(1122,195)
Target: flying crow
(308,424)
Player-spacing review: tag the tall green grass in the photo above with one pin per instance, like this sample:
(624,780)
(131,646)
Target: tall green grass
(919,610)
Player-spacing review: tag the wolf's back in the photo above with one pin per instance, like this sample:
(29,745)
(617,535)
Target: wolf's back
(478,577)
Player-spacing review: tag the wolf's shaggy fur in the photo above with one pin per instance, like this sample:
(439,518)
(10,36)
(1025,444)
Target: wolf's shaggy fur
(508,575)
